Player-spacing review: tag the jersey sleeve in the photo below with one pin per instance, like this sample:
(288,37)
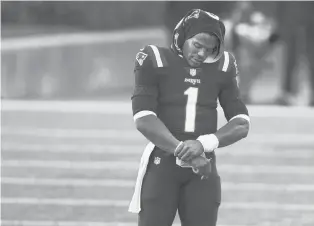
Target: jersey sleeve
(229,97)
(145,92)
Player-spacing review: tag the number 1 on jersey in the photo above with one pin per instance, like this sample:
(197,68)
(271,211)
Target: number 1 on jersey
(190,110)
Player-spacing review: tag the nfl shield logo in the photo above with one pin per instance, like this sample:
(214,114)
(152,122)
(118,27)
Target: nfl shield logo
(192,71)
(157,160)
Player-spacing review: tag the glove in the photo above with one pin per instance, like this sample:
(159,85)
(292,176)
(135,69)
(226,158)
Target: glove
(202,166)
(184,164)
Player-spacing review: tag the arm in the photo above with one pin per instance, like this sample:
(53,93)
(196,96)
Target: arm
(235,111)
(155,131)
(233,131)
(144,102)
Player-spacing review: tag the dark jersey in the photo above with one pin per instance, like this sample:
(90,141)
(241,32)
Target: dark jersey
(185,98)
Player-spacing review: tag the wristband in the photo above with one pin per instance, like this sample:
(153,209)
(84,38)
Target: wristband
(209,141)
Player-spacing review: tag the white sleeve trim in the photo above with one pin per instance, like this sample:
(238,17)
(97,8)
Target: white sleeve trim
(246,117)
(141,114)
(226,62)
(157,55)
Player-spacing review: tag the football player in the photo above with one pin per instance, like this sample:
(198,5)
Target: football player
(174,106)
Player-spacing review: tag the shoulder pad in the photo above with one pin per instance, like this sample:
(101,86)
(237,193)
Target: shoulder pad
(229,64)
(150,53)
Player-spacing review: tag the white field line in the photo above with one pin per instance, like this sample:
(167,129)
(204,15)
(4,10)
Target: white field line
(133,165)
(68,182)
(76,223)
(138,149)
(124,107)
(69,148)
(69,223)
(227,186)
(107,107)
(71,133)
(294,138)
(86,223)
(61,223)
(64,202)
(125,204)
(57,40)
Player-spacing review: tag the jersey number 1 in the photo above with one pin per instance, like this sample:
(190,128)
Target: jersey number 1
(190,109)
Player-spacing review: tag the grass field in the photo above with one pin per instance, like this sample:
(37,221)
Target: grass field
(75,163)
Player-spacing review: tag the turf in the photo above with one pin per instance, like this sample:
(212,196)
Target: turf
(264,183)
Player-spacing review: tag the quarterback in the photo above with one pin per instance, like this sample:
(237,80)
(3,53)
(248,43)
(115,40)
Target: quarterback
(176,94)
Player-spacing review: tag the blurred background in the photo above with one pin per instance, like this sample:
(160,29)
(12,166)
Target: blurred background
(69,149)
(56,50)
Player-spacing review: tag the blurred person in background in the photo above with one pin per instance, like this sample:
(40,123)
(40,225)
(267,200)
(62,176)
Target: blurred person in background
(296,29)
(175,107)
(251,41)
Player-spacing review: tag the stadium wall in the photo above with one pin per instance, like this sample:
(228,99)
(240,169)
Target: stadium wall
(73,66)
(61,50)
(90,15)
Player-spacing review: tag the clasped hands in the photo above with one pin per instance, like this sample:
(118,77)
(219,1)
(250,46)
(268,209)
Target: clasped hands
(191,153)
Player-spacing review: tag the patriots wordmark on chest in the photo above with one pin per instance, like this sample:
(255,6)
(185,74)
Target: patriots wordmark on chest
(193,80)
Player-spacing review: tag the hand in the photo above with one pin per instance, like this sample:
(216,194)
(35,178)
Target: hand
(199,162)
(189,150)
(201,166)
